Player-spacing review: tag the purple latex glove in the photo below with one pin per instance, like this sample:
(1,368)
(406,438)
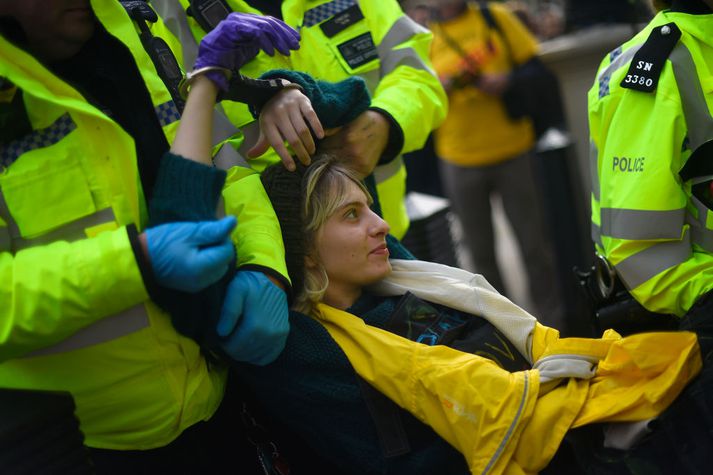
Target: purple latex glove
(239,38)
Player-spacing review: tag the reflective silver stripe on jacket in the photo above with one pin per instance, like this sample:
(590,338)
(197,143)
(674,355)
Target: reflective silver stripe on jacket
(390,57)
(642,266)
(101,331)
(642,225)
(69,232)
(695,109)
(699,124)
(384,172)
(700,234)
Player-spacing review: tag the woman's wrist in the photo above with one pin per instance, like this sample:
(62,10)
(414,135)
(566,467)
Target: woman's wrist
(219,76)
(205,87)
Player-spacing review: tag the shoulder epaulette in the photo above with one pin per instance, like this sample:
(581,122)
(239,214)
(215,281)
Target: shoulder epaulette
(645,68)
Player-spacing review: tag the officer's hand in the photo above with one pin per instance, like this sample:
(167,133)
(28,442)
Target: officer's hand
(287,117)
(361,142)
(239,38)
(190,256)
(253,323)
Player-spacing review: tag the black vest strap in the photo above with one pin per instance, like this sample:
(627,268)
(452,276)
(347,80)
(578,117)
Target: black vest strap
(162,56)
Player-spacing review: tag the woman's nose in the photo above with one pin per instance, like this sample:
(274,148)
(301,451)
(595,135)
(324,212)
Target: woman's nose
(379,226)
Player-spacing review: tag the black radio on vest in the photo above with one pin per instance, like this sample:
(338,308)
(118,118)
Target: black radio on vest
(208,13)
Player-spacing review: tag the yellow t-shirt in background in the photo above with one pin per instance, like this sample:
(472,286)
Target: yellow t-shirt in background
(477,130)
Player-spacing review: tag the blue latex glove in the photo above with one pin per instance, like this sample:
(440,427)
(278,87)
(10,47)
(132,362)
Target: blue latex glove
(190,256)
(253,323)
(239,38)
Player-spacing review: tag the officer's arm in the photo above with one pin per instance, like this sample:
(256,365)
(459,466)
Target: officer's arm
(409,94)
(50,292)
(257,237)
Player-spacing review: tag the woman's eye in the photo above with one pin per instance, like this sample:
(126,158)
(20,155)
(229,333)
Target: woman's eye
(351,213)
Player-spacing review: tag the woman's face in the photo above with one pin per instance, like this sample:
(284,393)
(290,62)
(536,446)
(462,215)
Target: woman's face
(351,246)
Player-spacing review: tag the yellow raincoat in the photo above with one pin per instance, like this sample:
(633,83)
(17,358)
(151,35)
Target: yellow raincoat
(513,423)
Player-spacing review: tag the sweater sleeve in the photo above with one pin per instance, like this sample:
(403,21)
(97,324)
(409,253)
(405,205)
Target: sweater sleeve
(185,191)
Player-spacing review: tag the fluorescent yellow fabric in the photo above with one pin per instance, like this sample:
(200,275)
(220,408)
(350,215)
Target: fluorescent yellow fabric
(411,95)
(477,130)
(640,142)
(138,391)
(506,422)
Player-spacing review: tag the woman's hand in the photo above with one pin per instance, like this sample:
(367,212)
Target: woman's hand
(288,117)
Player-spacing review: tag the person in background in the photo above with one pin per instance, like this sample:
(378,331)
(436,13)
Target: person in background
(85,122)
(650,129)
(422,164)
(372,39)
(484,153)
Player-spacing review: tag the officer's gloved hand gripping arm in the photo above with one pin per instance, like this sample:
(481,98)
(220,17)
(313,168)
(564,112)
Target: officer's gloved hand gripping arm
(247,310)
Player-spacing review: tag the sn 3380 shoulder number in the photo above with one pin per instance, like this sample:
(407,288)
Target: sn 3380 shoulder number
(636,79)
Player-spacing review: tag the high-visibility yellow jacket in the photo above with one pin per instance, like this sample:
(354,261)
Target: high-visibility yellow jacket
(74,310)
(645,221)
(386,48)
(506,422)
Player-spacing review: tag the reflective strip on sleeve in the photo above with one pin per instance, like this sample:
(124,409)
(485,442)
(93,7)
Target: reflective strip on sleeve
(402,57)
(700,234)
(322,12)
(386,171)
(372,79)
(70,232)
(698,118)
(391,58)
(634,224)
(403,29)
(101,331)
(646,264)
(40,138)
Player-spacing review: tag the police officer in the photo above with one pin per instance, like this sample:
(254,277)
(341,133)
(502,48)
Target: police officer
(650,121)
(651,129)
(340,38)
(85,119)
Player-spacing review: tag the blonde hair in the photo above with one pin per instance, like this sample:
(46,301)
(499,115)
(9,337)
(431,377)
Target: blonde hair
(325,191)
